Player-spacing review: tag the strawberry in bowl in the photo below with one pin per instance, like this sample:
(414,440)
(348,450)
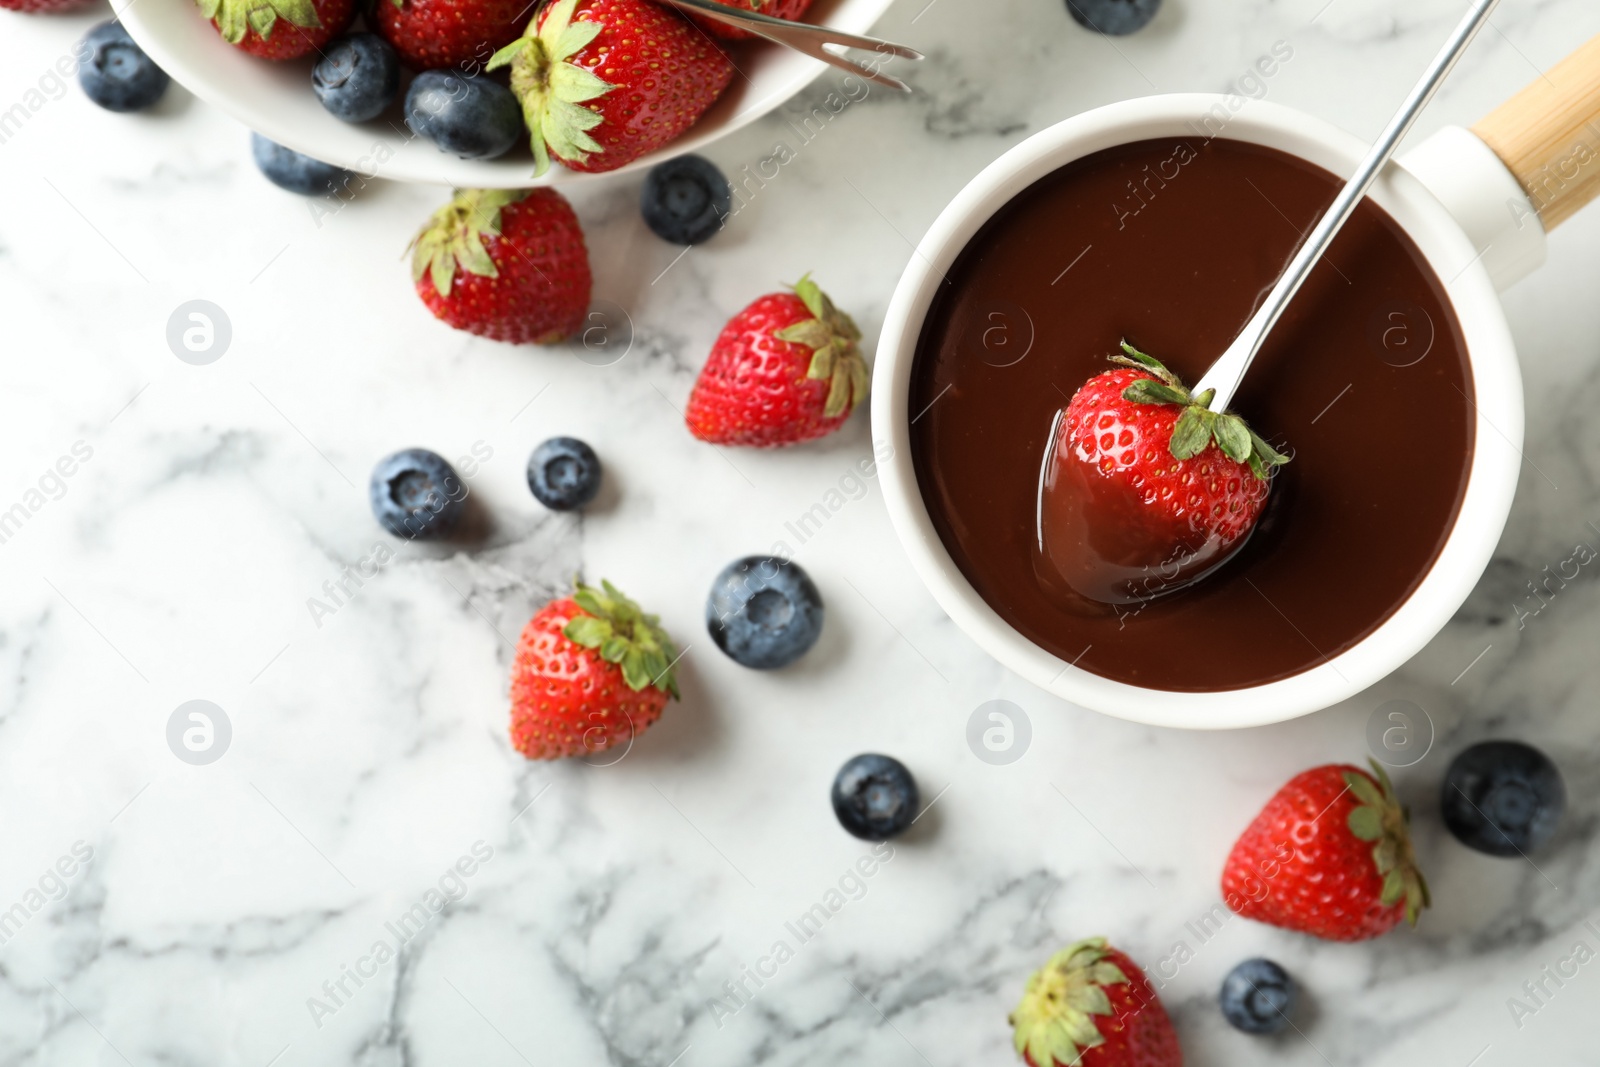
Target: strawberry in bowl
(603,82)
(789,10)
(279,29)
(430,34)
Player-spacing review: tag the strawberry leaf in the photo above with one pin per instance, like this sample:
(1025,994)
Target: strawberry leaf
(813,333)
(1365,823)
(1055,1022)
(1233,437)
(1132,357)
(1147,391)
(504,56)
(574,39)
(586,599)
(1394,888)
(634,671)
(454,237)
(1364,788)
(624,635)
(1269,455)
(1190,435)
(588,631)
(574,84)
(812,296)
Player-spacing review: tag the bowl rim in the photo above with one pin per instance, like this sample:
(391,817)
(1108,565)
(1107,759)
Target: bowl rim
(1496,377)
(384,150)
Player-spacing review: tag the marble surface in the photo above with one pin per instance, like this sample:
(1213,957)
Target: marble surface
(183,914)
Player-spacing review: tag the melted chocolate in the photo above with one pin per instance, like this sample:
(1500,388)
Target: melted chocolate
(1172,244)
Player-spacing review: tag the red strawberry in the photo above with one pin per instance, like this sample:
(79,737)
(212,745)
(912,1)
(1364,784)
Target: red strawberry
(793,10)
(509,265)
(1091,1006)
(37,7)
(465,34)
(1330,855)
(591,671)
(1146,490)
(279,29)
(785,369)
(602,82)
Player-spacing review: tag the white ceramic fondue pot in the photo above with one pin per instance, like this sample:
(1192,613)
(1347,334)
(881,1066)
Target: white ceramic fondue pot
(1477,203)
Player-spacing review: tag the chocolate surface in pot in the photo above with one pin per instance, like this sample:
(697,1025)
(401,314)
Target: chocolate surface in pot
(1171,244)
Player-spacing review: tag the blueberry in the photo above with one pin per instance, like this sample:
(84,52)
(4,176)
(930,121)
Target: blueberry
(1115,18)
(288,169)
(1502,797)
(357,78)
(416,494)
(685,200)
(564,474)
(875,797)
(764,612)
(473,117)
(115,72)
(1257,997)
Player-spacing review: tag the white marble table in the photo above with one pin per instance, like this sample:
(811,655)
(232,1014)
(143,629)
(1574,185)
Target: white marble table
(368,754)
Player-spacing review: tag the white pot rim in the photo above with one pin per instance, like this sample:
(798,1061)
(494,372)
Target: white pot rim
(1496,379)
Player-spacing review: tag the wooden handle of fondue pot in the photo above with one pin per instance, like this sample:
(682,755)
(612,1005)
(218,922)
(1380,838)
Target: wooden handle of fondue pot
(1549,136)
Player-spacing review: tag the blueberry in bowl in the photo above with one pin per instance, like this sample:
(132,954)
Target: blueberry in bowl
(416,494)
(469,116)
(1504,798)
(875,797)
(1257,997)
(764,612)
(564,474)
(357,78)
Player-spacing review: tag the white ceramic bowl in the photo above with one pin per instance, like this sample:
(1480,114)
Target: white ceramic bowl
(275,99)
(1454,259)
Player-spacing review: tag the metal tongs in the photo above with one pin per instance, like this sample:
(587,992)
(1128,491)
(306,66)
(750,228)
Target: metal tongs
(806,38)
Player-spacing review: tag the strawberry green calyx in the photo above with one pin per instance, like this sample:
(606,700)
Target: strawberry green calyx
(1198,426)
(626,636)
(552,90)
(1055,1021)
(235,18)
(836,356)
(454,235)
(1381,819)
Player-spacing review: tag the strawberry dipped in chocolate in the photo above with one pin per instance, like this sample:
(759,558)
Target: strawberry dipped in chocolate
(1144,490)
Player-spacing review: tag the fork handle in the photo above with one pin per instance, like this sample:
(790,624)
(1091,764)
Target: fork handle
(792,33)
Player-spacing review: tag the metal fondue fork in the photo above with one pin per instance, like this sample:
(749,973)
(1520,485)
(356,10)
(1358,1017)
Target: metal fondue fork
(1227,372)
(805,38)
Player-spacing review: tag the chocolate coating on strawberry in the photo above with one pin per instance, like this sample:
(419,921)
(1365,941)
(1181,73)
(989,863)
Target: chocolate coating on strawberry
(1144,490)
